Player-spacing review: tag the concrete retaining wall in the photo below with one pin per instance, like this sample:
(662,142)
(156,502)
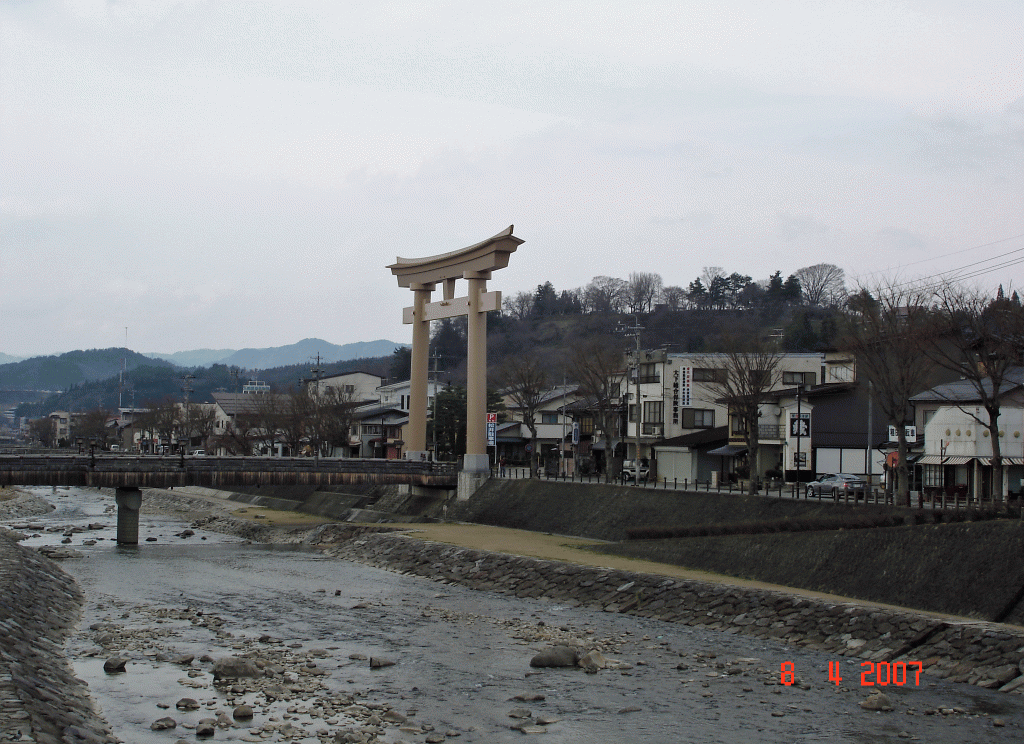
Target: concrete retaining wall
(985,654)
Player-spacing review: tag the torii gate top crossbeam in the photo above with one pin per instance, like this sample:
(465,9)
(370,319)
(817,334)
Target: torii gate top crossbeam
(488,255)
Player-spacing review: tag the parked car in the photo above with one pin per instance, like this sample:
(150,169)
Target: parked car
(629,472)
(198,453)
(826,484)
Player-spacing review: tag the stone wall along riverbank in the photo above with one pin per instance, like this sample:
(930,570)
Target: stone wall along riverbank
(41,700)
(985,654)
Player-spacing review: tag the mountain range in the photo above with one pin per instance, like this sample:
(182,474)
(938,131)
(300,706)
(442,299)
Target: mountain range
(302,352)
(63,371)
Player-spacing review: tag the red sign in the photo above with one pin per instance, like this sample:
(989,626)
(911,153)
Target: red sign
(492,418)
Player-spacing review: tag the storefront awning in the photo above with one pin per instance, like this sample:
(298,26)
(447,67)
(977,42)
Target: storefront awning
(956,460)
(930,460)
(728,450)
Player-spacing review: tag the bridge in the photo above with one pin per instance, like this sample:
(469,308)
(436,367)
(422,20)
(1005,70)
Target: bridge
(130,473)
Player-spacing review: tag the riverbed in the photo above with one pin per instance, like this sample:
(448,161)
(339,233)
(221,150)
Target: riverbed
(454,664)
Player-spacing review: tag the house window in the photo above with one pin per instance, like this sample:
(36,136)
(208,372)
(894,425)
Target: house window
(798,378)
(548,417)
(632,412)
(737,426)
(616,389)
(932,476)
(648,372)
(698,418)
(708,374)
(586,425)
(653,411)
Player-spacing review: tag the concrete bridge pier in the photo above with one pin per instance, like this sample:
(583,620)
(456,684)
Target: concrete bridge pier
(129,501)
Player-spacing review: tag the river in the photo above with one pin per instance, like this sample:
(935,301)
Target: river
(460,657)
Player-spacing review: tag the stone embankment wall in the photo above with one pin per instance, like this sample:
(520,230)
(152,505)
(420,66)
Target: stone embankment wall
(984,654)
(40,698)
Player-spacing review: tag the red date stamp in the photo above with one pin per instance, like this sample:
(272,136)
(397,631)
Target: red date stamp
(878,673)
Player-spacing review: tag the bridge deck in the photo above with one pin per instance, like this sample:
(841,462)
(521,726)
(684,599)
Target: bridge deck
(135,471)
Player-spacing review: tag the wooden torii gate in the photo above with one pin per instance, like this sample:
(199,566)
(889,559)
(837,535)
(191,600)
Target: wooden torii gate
(422,275)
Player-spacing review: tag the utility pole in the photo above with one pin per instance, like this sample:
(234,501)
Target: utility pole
(186,389)
(315,371)
(634,331)
(437,358)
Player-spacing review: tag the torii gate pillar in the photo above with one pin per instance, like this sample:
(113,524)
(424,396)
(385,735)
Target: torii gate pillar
(422,275)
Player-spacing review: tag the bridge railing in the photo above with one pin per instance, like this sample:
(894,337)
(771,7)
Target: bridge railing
(131,470)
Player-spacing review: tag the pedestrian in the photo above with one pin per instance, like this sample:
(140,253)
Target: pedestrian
(501,464)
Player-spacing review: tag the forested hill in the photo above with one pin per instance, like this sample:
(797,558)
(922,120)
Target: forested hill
(145,384)
(73,368)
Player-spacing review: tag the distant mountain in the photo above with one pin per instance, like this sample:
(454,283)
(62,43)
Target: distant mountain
(8,359)
(197,358)
(73,368)
(303,352)
(306,351)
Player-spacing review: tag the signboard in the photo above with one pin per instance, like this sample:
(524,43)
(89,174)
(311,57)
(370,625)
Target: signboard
(800,425)
(575,432)
(910,432)
(492,429)
(799,460)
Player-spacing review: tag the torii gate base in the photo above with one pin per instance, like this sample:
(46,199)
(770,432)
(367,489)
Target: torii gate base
(469,482)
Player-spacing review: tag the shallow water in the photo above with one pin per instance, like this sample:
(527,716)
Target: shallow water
(460,655)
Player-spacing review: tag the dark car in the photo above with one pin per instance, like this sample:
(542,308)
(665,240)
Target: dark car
(835,482)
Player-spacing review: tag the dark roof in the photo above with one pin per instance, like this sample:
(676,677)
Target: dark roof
(697,438)
(233,403)
(964,391)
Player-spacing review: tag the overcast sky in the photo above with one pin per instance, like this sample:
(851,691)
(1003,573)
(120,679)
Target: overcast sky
(228,174)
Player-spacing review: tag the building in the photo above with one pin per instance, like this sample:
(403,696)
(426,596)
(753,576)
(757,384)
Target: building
(553,419)
(956,447)
(672,395)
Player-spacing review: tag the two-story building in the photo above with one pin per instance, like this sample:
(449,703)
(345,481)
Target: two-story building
(554,423)
(957,448)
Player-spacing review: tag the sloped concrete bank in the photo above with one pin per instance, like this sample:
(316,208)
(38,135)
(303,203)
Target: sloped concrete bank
(41,700)
(984,654)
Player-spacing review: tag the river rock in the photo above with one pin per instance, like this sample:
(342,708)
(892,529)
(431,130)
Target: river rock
(556,656)
(206,727)
(378,662)
(877,701)
(163,724)
(242,713)
(115,665)
(187,704)
(235,667)
(594,660)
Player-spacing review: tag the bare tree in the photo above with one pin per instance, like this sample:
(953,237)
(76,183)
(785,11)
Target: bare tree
(332,421)
(980,340)
(197,421)
(43,430)
(525,381)
(264,419)
(748,369)
(642,290)
(884,331)
(710,273)
(92,426)
(674,297)
(604,294)
(519,305)
(822,284)
(597,367)
(163,419)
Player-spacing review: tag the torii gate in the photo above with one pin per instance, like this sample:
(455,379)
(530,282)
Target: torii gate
(421,275)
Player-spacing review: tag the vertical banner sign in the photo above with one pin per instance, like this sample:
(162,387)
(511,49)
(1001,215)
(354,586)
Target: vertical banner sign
(575,432)
(492,429)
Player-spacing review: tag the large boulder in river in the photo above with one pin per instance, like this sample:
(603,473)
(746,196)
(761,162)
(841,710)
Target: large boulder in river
(556,656)
(235,667)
